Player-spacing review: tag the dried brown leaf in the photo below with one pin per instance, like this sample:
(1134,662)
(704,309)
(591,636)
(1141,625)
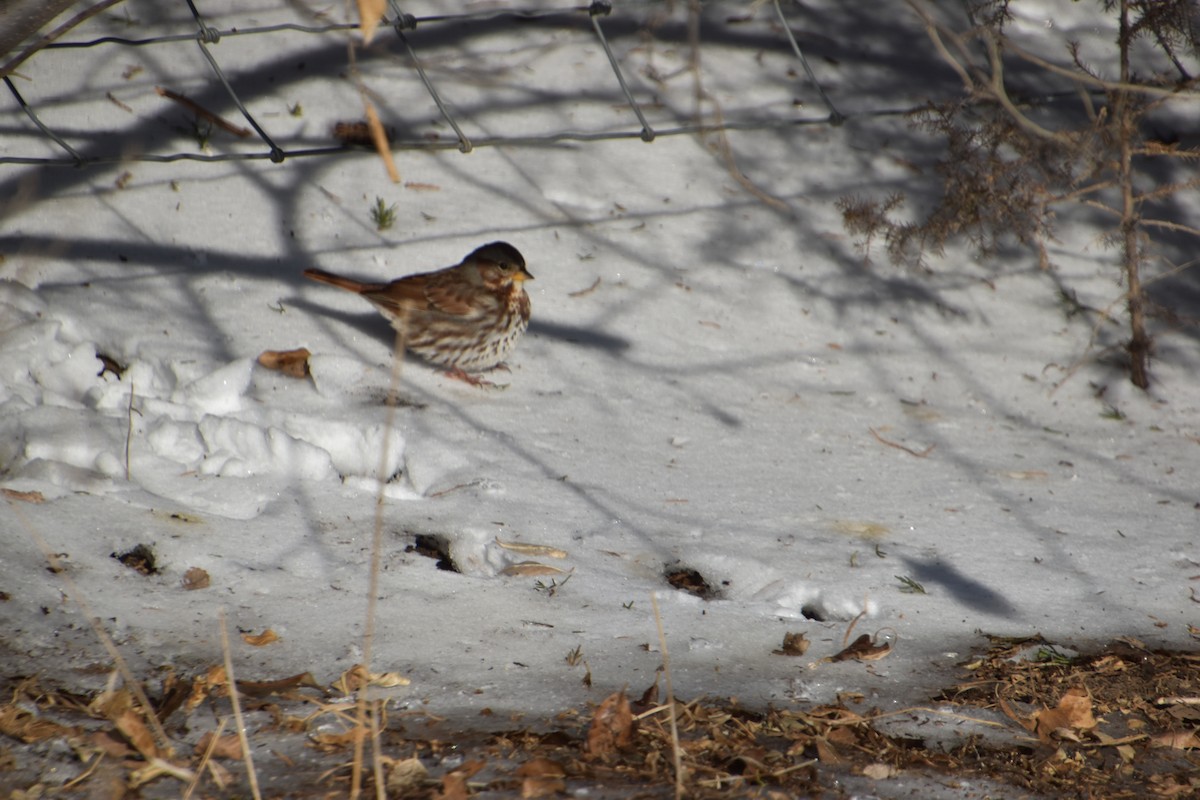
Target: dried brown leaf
(542,787)
(1177,740)
(264,688)
(26,497)
(826,752)
(293,363)
(228,746)
(379,138)
(204,685)
(370,12)
(530,568)
(878,771)
(196,578)
(261,639)
(541,777)
(357,676)
(863,649)
(133,727)
(406,776)
(794,644)
(454,787)
(1073,712)
(543,550)
(612,727)
(24,725)
(454,784)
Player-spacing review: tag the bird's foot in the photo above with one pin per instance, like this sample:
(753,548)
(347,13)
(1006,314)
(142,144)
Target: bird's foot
(483,383)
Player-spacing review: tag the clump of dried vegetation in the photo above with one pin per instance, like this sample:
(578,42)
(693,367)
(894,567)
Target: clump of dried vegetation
(1016,160)
(1118,723)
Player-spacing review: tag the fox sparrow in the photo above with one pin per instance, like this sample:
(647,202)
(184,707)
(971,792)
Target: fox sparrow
(466,318)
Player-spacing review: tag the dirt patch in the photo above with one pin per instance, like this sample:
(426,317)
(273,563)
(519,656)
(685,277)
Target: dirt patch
(1118,723)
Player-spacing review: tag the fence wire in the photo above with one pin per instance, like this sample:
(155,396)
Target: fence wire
(208,38)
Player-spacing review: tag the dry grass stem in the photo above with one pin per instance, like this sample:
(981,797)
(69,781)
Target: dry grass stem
(128,428)
(213,741)
(235,701)
(672,716)
(373,590)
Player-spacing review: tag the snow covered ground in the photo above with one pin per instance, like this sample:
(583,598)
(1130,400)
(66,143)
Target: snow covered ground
(711,381)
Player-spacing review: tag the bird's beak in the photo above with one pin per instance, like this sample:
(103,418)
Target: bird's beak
(522,275)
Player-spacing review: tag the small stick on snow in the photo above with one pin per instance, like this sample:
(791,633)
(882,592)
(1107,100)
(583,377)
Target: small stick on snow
(898,446)
(201,111)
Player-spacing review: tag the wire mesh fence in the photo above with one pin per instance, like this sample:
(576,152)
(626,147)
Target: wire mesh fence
(216,82)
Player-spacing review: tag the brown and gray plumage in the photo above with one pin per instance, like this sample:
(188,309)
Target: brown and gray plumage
(466,318)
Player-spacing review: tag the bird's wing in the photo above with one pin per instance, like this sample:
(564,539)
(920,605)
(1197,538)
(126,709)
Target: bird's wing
(442,291)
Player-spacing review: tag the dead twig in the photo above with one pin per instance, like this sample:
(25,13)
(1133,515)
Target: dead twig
(898,446)
(587,291)
(201,111)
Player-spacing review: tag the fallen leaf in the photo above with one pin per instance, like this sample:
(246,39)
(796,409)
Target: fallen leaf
(541,767)
(1177,740)
(530,568)
(454,787)
(389,680)
(196,578)
(369,14)
(794,644)
(1027,474)
(334,741)
(24,725)
(203,686)
(133,728)
(357,676)
(612,727)
(826,752)
(264,688)
(290,362)
(532,549)
(228,746)
(454,784)
(28,497)
(862,649)
(878,771)
(262,639)
(156,769)
(378,134)
(1073,712)
(541,777)
(867,530)
(406,776)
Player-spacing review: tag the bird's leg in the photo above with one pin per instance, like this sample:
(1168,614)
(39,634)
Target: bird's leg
(459,374)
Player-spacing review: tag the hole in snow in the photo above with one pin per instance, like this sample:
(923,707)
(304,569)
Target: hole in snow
(814,612)
(139,558)
(686,579)
(434,547)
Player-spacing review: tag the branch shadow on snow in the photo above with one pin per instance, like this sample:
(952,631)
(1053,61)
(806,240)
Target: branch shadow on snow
(964,589)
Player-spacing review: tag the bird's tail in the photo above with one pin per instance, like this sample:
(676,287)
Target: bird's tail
(321,276)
